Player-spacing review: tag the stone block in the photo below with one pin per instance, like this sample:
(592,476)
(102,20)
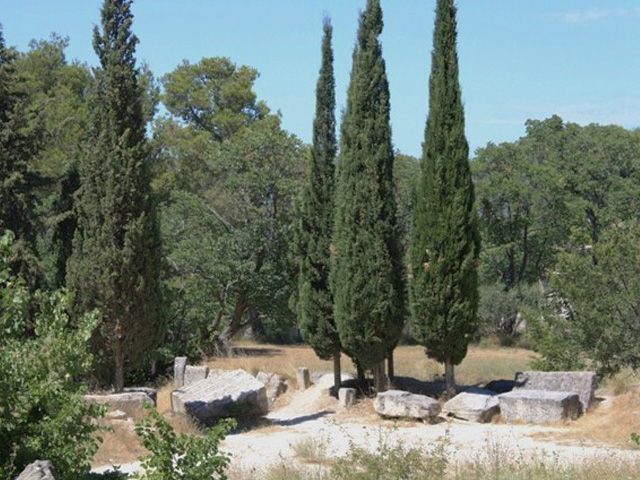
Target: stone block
(582,383)
(347,397)
(539,406)
(152,393)
(179,365)
(274,384)
(224,393)
(193,374)
(303,378)
(398,403)
(473,407)
(131,403)
(38,470)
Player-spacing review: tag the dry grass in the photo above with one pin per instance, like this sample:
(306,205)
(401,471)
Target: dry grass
(480,365)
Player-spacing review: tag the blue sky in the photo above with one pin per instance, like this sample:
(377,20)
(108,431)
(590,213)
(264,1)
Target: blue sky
(519,59)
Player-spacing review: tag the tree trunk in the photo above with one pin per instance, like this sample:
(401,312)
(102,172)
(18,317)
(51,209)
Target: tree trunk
(337,376)
(360,371)
(450,380)
(118,358)
(390,366)
(379,378)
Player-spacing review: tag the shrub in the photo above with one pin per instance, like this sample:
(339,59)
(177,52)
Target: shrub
(181,457)
(44,352)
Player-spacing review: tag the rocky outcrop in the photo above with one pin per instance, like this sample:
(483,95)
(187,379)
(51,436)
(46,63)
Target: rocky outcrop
(222,394)
(38,470)
(401,404)
(472,407)
(539,406)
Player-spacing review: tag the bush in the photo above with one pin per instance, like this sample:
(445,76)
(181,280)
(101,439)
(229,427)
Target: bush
(44,353)
(181,457)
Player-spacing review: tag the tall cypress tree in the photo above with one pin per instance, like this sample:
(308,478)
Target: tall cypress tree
(367,273)
(115,265)
(445,240)
(315,302)
(19,143)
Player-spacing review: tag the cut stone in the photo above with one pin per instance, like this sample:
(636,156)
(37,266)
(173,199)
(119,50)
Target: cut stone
(398,403)
(582,383)
(193,374)
(347,397)
(473,407)
(274,384)
(224,393)
(152,393)
(539,406)
(179,365)
(131,403)
(303,378)
(38,470)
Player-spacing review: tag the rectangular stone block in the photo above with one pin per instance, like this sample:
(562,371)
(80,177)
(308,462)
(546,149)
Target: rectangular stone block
(303,378)
(179,365)
(539,406)
(193,373)
(582,383)
(347,396)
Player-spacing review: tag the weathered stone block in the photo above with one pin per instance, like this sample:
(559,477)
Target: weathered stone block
(152,393)
(274,384)
(397,403)
(539,406)
(38,470)
(473,407)
(224,393)
(193,374)
(582,383)
(303,378)
(179,365)
(347,397)
(130,403)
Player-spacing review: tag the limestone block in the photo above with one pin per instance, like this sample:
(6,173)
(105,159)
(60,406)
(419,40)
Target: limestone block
(398,403)
(582,383)
(303,377)
(473,407)
(539,406)
(131,403)
(38,470)
(274,384)
(347,397)
(194,374)
(179,365)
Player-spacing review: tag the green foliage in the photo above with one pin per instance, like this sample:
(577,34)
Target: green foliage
(445,240)
(181,457)
(214,96)
(314,229)
(116,261)
(367,277)
(230,243)
(635,438)
(44,352)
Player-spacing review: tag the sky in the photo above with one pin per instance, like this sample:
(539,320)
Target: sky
(519,59)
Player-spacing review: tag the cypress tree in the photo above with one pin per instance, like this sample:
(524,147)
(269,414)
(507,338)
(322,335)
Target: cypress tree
(445,240)
(367,273)
(115,265)
(315,302)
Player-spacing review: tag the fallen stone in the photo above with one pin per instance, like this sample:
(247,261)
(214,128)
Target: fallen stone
(398,403)
(472,407)
(193,374)
(274,384)
(224,393)
(179,366)
(539,406)
(131,403)
(116,415)
(500,386)
(303,378)
(38,470)
(582,383)
(152,393)
(347,397)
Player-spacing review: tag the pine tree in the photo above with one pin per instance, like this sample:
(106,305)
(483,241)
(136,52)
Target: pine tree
(366,272)
(445,240)
(315,302)
(18,146)
(115,265)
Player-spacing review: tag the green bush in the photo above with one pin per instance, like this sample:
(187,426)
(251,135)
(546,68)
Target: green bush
(44,353)
(181,457)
